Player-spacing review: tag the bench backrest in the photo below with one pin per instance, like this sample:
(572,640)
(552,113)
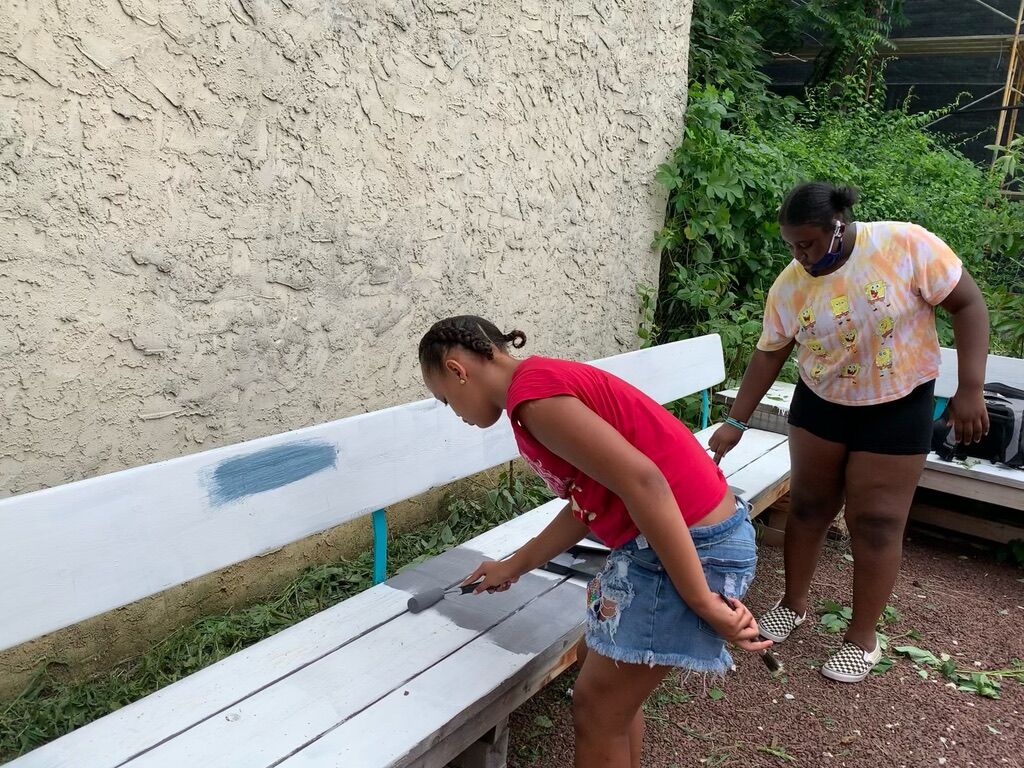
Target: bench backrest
(75,551)
(1005,370)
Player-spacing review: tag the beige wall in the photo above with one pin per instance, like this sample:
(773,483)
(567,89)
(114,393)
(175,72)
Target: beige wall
(227,219)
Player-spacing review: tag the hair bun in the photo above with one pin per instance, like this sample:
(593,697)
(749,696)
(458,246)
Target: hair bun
(844,198)
(516,338)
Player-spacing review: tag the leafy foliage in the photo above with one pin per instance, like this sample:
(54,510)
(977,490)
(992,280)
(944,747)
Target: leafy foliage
(743,147)
(986,683)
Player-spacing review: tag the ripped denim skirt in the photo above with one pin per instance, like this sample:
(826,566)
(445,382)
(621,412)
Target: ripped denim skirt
(635,615)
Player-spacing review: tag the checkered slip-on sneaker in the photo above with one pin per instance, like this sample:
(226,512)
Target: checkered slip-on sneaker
(851,663)
(776,623)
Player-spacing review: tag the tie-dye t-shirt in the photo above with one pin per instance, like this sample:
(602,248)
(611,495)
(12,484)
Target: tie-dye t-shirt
(866,332)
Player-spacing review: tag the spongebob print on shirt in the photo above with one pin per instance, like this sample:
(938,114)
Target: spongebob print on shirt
(866,333)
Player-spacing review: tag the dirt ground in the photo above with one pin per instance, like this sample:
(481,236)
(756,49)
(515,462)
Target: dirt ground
(962,603)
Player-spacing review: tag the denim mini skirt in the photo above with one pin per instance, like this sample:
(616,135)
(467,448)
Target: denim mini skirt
(636,616)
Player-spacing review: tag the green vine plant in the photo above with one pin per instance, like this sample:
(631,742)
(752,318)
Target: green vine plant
(743,147)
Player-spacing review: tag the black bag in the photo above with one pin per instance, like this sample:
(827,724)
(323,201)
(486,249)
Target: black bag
(1004,443)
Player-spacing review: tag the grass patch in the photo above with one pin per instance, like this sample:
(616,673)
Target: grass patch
(51,705)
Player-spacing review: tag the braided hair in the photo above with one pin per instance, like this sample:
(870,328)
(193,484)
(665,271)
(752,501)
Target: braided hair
(817,203)
(470,332)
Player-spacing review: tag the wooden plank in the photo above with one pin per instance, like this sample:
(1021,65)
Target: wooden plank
(272,723)
(462,695)
(755,444)
(972,487)
(771,494)
(772,412)
(136,728)
(491,751)
(671,371)
(901,47)
(978,470)
(757,468)
(776,400)
(969,524)
(763,481)
(1005,370)
(88,547)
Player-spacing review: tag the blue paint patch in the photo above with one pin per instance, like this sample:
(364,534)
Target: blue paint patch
(271,468)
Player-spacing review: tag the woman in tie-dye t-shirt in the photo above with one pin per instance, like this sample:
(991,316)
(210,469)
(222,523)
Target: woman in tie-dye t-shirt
(858,303)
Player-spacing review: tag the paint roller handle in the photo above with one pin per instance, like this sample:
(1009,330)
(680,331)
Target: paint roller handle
(465,589)
(493,576)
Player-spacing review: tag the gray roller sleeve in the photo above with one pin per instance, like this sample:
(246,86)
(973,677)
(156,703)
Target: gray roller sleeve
(424,600)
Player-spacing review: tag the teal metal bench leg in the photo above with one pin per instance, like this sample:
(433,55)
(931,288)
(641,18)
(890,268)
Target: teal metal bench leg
(940,407)
(705,408)
(380,546)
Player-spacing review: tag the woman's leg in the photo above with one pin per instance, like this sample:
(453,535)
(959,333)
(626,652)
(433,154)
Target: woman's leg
(815,498)
(879,491)
(606,709)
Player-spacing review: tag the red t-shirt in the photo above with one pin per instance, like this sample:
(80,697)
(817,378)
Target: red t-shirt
(697,482)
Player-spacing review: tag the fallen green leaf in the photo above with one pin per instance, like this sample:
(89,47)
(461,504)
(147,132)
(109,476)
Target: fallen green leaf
(883,666)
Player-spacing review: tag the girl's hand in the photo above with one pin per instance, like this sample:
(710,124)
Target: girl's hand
(968,415)
(735,623)
(724,440)
(497,575)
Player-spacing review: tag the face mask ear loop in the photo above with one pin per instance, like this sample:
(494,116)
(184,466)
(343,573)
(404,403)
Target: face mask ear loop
(837,238)
(831,256)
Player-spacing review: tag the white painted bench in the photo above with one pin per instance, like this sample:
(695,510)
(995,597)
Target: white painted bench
(973,479)
(364,683)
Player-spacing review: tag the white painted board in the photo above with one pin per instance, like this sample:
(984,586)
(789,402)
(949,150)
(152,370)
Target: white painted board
(272,723)
(776,400)
(398,726)
(77,550)
(1005,370)
(978,470)
(112,740)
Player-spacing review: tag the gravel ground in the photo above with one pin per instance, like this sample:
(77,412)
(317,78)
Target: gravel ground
(960,601)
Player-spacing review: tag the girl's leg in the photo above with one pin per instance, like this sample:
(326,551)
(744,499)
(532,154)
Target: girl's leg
(637,729)
(606,711)
(816,495)
(879,491)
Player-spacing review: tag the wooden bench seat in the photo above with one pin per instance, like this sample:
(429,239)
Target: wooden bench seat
(364,683)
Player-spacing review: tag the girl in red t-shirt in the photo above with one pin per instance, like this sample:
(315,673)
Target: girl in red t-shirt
(635,476)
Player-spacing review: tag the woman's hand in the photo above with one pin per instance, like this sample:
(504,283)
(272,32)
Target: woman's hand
(734,622)
(968,415)
(724,440)
(497,575)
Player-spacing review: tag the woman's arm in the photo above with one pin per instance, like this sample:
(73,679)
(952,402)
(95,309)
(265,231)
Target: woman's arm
(762,371)
(967,412)
(560,534)
(571,430)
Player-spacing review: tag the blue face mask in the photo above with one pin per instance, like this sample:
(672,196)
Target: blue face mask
(833,254)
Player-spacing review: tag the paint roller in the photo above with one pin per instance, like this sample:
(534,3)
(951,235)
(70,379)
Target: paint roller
(420,601)
(423,600)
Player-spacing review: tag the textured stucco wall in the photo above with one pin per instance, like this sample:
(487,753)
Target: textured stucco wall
(220,220)
(225,219)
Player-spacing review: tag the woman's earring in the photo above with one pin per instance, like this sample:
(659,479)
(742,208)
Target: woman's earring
(462,381)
